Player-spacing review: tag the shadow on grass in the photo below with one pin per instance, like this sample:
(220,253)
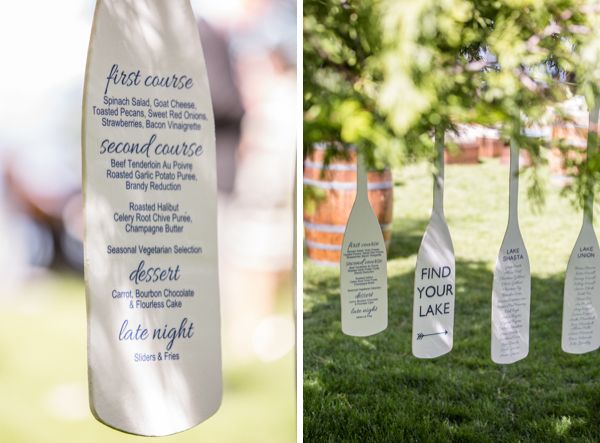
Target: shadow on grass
(408,243)
(373,389)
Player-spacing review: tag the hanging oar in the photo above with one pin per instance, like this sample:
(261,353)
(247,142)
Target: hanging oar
(363,272)
(151,268)
(511,292)
(580,326)
(434,293)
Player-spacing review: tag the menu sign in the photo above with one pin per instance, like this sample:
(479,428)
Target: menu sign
(150,220)
(363,267)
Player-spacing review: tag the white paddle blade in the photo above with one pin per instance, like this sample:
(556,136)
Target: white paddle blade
(511,295)
(151,271)
(580,326)
(435,291)
(363,273)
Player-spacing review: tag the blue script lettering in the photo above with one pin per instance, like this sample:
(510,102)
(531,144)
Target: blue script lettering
(183,331)
(122,77)
(127,333)
(110,147)
(153,274)
(170,333)
(183,149)
(173,81)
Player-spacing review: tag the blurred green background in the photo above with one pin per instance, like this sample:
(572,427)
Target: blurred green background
(43,377)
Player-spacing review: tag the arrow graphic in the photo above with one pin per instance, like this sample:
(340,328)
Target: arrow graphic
(420,335)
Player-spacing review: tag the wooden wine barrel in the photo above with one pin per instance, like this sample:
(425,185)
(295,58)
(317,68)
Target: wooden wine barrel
(324,227)
(466,153)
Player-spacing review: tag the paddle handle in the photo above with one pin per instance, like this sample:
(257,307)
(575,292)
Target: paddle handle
(361,178)
(438,177)
(592,145)
(513,189)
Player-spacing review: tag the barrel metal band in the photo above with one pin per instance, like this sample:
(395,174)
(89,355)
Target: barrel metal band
(346,186)
(329,167)
(323,246)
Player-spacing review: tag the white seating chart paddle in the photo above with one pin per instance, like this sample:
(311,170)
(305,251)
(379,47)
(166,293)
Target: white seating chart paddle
(363,267)
(434,293)
(149,181)
(581,305)
(511,291)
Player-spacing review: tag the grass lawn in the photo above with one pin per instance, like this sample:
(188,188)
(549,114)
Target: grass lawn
(373,390)
(43,379)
